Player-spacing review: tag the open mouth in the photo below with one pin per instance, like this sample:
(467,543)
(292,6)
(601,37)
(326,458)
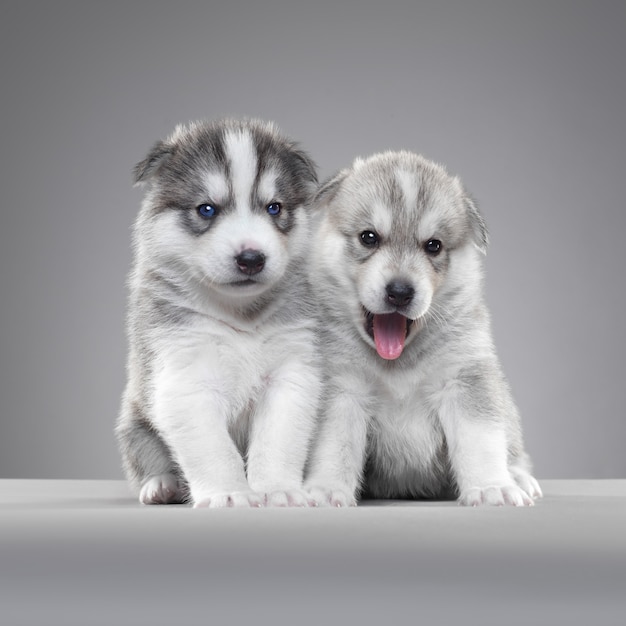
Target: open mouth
(389,332)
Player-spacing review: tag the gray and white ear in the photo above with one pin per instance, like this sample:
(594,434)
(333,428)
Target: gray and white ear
(329,188)
(155,159)
(477,224)
(306,166)
(305,170)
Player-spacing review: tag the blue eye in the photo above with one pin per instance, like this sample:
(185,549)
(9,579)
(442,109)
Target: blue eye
(206,211)
(273,208)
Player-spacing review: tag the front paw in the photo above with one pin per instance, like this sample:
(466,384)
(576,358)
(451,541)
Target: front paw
(527,483)
(495,495)
(285,498)
(240,499)
(330,496)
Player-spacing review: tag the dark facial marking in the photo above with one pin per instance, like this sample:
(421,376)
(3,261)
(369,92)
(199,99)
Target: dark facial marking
(200,219)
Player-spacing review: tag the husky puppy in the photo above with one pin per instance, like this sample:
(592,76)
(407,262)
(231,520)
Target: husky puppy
(223,373)
(416,405)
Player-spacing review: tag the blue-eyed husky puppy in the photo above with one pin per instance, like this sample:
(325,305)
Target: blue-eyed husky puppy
(223,380)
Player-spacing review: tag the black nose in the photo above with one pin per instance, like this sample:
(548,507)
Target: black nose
(399,294)
(250,261)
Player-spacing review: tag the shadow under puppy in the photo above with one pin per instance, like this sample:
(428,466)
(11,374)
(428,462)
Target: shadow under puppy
(415,402)
(223,373)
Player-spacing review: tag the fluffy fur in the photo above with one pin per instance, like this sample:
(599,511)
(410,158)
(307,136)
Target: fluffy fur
(416,405)
(223,379)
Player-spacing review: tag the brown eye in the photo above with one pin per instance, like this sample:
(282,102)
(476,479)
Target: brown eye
(433,247)
(369,238)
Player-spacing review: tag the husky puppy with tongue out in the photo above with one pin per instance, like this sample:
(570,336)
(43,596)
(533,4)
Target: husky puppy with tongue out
(416,404)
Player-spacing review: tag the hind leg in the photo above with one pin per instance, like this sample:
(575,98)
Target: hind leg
(161,489)
(148,463)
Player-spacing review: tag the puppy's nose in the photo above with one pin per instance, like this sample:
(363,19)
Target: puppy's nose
(250,261)
(399,293)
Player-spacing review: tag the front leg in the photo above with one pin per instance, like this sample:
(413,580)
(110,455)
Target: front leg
(479,461)
(476,433)
(282,427)
(191,413)
(338,455)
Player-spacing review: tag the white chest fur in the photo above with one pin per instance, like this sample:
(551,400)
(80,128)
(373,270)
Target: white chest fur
(406,441)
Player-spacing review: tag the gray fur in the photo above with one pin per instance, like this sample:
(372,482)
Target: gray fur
(214,355)
(437,420)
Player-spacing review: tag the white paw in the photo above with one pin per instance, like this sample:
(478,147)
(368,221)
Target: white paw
(527,483)
(161,489)
(328,496)
(241,499)
(287,498)
(495,495)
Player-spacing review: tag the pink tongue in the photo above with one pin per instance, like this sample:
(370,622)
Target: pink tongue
(389,335)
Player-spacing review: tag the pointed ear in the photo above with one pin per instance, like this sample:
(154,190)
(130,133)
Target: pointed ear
(328,190)
(306,170)
(477,224)
(146,169)
(306,166)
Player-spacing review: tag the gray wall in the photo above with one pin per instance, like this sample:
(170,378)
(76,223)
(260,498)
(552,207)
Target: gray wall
(524,100)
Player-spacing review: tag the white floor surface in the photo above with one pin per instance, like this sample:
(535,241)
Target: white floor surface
(86,553)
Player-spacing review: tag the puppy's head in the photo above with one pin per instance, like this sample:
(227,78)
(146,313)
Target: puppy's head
(224,206)
(397,234)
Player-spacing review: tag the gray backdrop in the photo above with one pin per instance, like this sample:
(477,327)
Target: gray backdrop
(524,100)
